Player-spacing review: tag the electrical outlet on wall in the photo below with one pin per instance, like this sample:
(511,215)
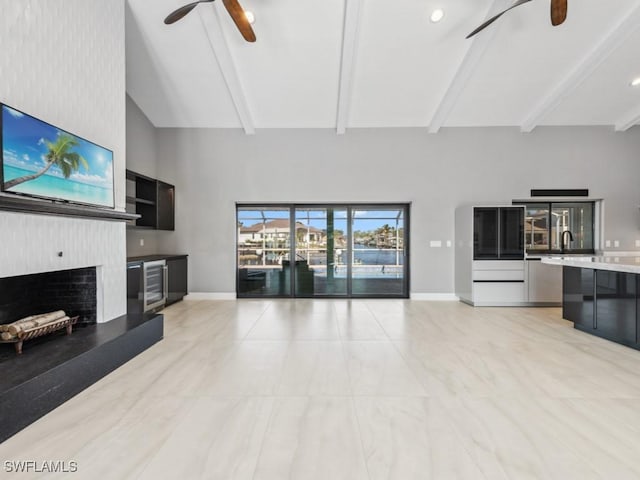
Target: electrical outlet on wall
(142,242)
(607,243)
(638,243)
(616,243)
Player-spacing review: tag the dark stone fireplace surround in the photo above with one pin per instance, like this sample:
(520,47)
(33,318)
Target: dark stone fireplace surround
(55,367)
(74,291)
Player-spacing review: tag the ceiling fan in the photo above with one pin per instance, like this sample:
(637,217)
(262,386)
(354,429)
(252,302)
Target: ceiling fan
(558,14)
(233,7)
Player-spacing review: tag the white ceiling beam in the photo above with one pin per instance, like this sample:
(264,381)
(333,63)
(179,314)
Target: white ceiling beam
(583,68)
(220,48)
(352,16)
(467,66)
(629,120)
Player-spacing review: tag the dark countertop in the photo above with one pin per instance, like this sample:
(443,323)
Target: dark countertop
(157,256)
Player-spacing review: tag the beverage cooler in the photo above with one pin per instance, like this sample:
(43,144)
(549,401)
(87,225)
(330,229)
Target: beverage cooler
(155,284)
(498,233)
(147,286)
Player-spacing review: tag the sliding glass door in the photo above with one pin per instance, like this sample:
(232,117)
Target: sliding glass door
(322,250)
(378,256)
(264,245)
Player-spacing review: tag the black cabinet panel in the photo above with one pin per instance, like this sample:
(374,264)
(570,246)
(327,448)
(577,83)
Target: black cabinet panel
(602,302)
(511,233)
(177,279)
(578,296)
(616,305)
(637,312)
(485,233)
(134,288)
(498,233)
(166,206)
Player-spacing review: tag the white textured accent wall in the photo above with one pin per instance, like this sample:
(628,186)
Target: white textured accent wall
(32,243)
(64,62)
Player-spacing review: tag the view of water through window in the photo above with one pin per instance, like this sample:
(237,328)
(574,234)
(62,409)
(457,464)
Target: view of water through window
(335,251)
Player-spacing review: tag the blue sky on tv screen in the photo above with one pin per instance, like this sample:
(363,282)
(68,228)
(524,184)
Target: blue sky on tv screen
(24,148)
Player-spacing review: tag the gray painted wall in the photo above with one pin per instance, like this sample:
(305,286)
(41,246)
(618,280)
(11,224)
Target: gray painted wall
(141,158)
(141,142)
(213,169)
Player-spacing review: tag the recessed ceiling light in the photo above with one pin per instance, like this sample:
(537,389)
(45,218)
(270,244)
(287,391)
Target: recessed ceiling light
(635,82)
(250,16)
(437,15)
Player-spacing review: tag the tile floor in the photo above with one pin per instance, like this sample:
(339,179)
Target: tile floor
(379,389)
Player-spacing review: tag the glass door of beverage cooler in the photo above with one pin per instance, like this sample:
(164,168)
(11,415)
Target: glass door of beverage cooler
(155,284)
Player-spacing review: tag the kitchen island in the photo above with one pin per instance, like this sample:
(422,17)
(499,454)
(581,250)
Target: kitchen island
(600,295)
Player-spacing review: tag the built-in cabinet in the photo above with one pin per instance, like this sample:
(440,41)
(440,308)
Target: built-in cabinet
(578,295)
(489,258)
(498,233)
(616,294)
(176,267)
(177,278)
(604,303)
(153,200)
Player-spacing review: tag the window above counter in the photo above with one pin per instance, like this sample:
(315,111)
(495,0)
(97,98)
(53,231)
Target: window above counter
(546,223)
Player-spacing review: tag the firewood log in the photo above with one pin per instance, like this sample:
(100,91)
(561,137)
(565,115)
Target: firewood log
(16,328)
(50,324)
(32,321)
(5,328)
(7,336)
(49,317)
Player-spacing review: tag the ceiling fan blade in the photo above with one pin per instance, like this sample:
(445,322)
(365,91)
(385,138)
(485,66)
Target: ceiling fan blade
(494,18)
(182,11)
(558,12)
(240,19)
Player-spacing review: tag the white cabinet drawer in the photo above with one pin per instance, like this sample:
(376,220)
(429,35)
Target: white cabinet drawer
(498,265)
(498,275)
(499,293)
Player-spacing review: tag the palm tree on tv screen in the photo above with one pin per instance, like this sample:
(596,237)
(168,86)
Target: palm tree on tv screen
(60,153)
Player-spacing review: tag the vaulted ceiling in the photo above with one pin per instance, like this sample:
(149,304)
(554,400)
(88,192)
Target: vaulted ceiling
(344,64)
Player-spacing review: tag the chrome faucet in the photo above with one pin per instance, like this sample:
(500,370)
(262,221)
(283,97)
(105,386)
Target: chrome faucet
(563,244)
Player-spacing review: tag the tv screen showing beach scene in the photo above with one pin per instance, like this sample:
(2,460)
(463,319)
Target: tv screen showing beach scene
(41,160)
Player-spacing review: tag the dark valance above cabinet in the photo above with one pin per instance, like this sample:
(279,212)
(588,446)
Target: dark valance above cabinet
(153,200)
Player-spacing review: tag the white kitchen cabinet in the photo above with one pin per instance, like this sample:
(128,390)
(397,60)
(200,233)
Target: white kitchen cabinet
(489,261)
(544,283)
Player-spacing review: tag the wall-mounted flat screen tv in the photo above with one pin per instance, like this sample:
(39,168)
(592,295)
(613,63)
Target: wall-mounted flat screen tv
(41,160)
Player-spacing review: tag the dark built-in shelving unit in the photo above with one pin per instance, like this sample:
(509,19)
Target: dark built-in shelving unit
(153,200)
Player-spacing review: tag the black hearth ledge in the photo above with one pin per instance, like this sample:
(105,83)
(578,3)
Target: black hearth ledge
(48,374)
